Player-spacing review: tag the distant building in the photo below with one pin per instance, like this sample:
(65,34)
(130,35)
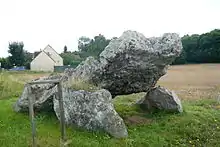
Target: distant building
(46,60)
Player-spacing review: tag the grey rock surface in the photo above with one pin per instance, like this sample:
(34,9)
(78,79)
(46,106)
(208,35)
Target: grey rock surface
(131,63)
(91,110)
(161,99)
(42,95)
(84,70)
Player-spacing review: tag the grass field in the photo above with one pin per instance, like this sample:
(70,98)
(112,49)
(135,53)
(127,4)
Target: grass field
(199,125)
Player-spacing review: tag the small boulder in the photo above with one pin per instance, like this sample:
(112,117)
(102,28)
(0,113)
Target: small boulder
(162,99)
(91,110)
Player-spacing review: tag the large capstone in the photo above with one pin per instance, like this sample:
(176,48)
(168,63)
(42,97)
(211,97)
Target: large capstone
(91,110)
(160,98)
(131,63)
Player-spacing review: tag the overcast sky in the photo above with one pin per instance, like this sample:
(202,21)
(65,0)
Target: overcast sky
(61,22)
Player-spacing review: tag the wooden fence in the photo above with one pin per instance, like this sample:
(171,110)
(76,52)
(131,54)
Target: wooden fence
(63,141)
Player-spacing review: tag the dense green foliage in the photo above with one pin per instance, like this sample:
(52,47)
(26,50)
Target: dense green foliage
(16,53)
(5,63)
(86,47)
(18,56)
(28,57)
(71,58)
(204,48)
(92,47)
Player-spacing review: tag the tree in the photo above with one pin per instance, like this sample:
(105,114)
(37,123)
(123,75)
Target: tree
(28,57)
(70,58)
(65,49)
(82,43)
(17,56)
(204,48)
(5,63)
(92,47)
(181,59)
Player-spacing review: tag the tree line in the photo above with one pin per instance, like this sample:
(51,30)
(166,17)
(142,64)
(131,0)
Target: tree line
(203,48)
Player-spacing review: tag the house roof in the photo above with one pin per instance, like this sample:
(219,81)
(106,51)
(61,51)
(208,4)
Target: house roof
(52,48)
(46,53)
(49,56)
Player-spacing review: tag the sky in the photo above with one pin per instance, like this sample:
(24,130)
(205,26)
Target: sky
(61,22)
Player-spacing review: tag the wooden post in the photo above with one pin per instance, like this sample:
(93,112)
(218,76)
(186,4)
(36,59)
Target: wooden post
(31,114)
(62,117)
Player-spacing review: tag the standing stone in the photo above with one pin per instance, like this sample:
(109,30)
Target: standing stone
(161,99)
(91,110)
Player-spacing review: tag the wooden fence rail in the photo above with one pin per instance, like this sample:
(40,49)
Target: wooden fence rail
(62,116)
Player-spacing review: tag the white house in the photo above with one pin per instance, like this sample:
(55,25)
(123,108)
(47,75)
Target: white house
(46,60)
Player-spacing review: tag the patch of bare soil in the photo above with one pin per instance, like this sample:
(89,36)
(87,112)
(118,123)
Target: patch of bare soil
(137,120)
(193,81)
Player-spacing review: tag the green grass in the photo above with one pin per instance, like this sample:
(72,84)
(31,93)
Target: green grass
(9,88)
(79,84)
(198,125)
